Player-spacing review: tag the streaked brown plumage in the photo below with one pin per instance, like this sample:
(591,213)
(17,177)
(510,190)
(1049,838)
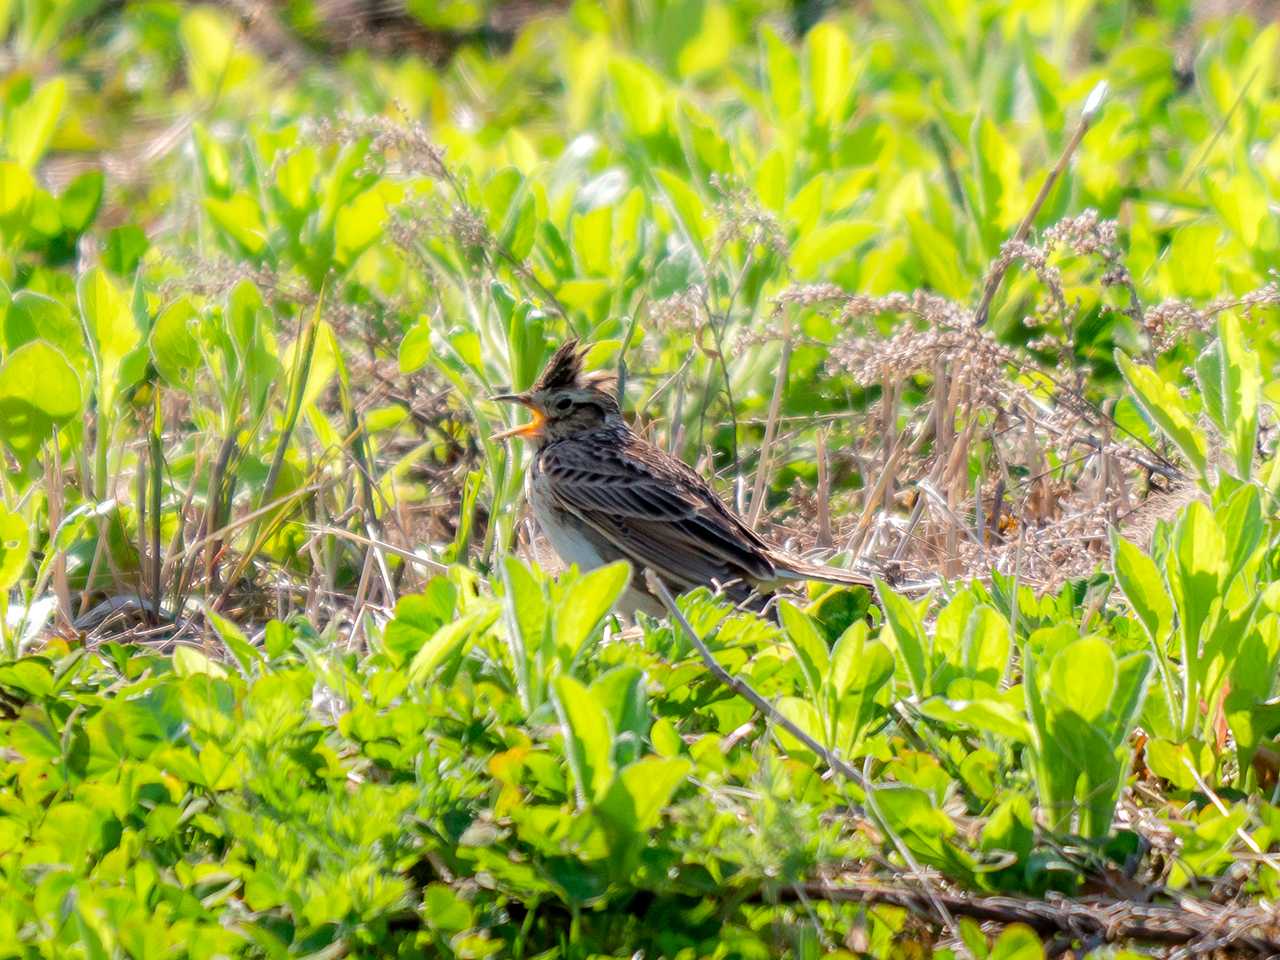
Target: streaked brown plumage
(602,493)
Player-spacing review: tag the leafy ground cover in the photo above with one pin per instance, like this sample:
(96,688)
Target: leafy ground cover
(282,672)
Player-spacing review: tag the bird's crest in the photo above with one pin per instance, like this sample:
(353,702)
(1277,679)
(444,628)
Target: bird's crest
(564,371)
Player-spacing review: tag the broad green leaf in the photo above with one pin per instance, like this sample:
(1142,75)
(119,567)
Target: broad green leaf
(591,235)
(246,653)
(588,738)
(907,632)
(1240,520)
(807,641)
(687,207)
(241,220)
(986,645)
(110,328)
(830,62)
(448,641)
(847,658)
(526,610)
(1240,201)
(1143,587)
(783,68)
(1164,405)
(79,202)
(621,691)
(125,248)
(830,245)
(17,192)
(32,123)
(638,91)
(188,661)
(210,41)
(585,604)
(990,715)
(1017,942)
(1082,679)
(34,316)
(415,348)
(39,390)
(1200,564)
(1133,674)
(174,348)
(1209,377)
(15,546)
(805,716)
(1241,392)
(636,797)
(214,161)
(360,222)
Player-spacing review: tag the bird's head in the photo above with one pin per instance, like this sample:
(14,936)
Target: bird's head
(564,400)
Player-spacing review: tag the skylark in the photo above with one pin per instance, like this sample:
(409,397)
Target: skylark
(602,493)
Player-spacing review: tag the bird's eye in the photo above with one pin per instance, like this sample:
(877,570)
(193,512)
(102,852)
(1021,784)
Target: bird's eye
(562,404)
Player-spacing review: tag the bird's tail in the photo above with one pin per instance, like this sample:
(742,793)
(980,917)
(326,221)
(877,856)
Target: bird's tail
(794,568)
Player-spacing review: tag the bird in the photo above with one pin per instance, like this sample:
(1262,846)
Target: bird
(600,493)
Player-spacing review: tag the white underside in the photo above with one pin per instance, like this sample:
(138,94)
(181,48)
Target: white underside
(573,547)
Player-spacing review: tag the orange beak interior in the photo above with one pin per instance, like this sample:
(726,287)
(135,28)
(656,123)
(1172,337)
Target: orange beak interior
(528,431)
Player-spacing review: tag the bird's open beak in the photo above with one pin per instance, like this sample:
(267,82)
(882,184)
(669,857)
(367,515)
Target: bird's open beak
(530,430)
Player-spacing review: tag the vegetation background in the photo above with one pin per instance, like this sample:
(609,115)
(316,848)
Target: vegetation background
(281,673)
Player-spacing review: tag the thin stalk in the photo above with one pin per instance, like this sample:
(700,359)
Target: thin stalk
(1092,107)
(770,431)
(156,461)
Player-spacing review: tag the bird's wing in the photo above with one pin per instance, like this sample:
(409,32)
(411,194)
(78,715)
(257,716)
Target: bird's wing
(655,510)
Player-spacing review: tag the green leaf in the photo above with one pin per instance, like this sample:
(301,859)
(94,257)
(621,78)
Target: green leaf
(986,645)
(990,715)
(39,390)
(447,643)
(32,124)
(830,245)
(110,328)
(1017,942)
(34,316)
(805,716)
(588,738)
(591,237)
(246,653)
(1241,392)
(79,202)
(15,547)
(125,247)
(783,69)
(1143,587)
(526,608)
(585,604)
(1240,520)
(808,643)
(903,620)
(190,662)
(687,207)
(1164,405)
(1209,377)
(173,345)
(241,220)
(17,192)
(1200,563)
(846,658)
(830,61)
(637,796)
(1082,678)
(638,91)
(415,348)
